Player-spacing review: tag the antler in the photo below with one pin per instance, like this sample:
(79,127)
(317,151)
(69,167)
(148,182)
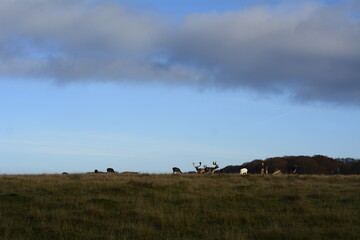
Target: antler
(211,169)
(198,169)
(197,166)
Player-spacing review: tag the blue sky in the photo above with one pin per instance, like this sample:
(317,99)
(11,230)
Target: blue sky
(148,85)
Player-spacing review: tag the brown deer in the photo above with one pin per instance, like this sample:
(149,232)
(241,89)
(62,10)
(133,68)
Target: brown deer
(176,170)
(198,169)
(211,169)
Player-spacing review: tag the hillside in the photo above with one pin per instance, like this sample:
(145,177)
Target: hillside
(219,206)
(317,164)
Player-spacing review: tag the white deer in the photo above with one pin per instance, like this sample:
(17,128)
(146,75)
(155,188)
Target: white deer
(243,171)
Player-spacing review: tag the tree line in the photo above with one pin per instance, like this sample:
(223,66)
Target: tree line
(317,164)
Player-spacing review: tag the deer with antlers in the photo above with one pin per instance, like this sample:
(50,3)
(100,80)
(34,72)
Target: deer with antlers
(211,169)
(198,169)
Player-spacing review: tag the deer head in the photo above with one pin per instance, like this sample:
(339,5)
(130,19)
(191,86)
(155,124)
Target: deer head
(212,169)
(198,169)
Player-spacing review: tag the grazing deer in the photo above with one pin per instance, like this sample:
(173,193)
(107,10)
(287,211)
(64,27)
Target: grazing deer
(277,172)
(243,171)
(110,170)
(176,170)
(211,169)
(198,169)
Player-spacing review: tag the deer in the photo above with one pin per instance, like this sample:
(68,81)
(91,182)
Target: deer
(243,171)
(176,170)
(211,169)
(198,169)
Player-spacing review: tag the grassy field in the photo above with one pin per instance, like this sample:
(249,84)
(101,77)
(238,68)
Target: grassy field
(115,206)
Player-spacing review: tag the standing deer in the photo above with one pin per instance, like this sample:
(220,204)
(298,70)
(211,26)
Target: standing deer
(264,168)
(211,169)
(243,171)
(198,169)
(176,170)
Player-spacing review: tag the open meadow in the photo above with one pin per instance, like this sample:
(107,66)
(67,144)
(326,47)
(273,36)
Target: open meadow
(146,206)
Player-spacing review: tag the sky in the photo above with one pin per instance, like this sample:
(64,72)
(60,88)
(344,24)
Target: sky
(147,85)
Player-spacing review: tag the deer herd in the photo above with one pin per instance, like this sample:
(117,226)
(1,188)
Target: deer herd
(206,169)
(199,170)
(243,171)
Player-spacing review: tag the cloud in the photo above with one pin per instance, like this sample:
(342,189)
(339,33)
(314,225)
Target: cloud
(79,40)
(307,51)
(311,51)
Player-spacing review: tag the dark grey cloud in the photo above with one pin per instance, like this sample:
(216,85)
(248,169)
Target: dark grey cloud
(313,52)
(310,52)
